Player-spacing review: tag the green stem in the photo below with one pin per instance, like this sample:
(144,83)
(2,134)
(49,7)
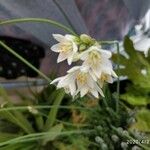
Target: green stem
(24,61)
(37,136)
(53,112)
(15,116)
(118,79)
(42,107)
(41,20)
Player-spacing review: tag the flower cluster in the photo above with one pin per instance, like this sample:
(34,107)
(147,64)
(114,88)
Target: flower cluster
(96,68)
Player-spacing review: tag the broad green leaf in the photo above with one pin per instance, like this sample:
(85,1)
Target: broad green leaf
(59,94)
(135,100)
(143,120)
(133,64)
(7,136)
(15,116)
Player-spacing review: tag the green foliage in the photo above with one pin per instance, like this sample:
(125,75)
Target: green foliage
(136,67)
(132,66)
(143,120)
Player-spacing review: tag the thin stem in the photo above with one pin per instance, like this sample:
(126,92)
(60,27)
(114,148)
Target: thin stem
(41,20)
(73,124)
(118,79)
(42,107)
(108,42)
(24,61)
(37,136)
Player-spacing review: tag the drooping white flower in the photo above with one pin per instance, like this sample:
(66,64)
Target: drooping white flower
(141,43)
(98,61)
(105,78)
(67,48)
(141,40)
(79,80)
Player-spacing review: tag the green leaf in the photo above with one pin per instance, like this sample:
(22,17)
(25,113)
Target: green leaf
(135,100)
(133,64)
(143,120)
(59,94)
(15,117)
(7,136)
(56,130)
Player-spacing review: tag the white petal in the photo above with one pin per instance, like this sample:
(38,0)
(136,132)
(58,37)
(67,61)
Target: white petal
(106,53)
(83,91)
(93,75)
(94,93)
(110,79)
(61,57)
(101,83)
(70,59)
(114,74)
(56,48)
(72,87)
(69,37)
(97,71)
(59,37)
(73,69)
(56,80)
(90,82)
(84,55)
(143,44)
(99,90)
(75,48)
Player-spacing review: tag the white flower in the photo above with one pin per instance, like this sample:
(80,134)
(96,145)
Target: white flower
(66,47)
(141,43)
(142,38)
(79,80)
(98,61)
(105,78)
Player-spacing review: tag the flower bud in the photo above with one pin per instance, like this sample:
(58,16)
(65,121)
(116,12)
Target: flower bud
(32,110)
(82,47)
(86,39)
(115,138)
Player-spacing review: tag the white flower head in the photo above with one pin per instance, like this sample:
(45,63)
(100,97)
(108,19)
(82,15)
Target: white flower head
(98,61)
(67,48)
(141,40)
(79,80)
(141,43)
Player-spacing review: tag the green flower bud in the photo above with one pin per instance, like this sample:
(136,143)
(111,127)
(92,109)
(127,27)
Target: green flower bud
(82,47)
(86,39)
